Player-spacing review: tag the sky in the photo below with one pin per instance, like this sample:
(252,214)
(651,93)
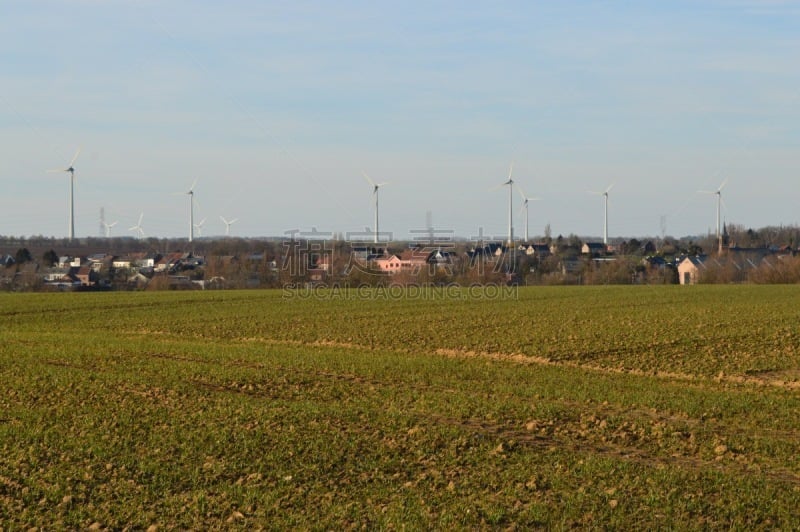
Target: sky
(276,109)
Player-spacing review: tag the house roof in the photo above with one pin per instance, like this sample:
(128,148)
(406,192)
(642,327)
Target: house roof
(418,255)
(697,260)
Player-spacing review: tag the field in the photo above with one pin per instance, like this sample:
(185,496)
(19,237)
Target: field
(619,407)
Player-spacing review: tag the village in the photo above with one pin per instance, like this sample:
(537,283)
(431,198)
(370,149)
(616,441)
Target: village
(124,264)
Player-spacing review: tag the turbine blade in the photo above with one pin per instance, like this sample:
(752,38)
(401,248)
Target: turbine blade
(370,181)
(233,221)
(191,188)
(725,182)
(74,157)
(510,170)
(58,171)
(609,188)
(522,193)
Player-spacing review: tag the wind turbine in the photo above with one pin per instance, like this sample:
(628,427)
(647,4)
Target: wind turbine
(510,184)
(605,210)
(108,227)
(138,228)
(525,200)
(718,193)
(375,187)
(71,169)
(228,224)
(190,193)
(199,227)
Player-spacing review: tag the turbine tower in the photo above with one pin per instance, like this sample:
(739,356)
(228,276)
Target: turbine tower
(375,187)
(510,184)
(228,224)
(71,169)
(718,193)
(605,211)
(190,193)
(525,200)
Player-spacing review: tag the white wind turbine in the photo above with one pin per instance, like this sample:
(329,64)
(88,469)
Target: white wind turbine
(71,169)
(375,187)
(525,200)
(108,227)
(190,193)
(138,228)
(228,224)
(605,210)
(718,193)
(199,227)
(510,184)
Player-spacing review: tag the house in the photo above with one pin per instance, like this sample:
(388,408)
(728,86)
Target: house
(593,248)
(488,251)
(144,260)
(122,263)
(689,269)
(391,264)
(100,261)
(67,262)
(174,262)
(61,280)
(86,275)
(540,251)
(414,259)
(440,257)
(167,262)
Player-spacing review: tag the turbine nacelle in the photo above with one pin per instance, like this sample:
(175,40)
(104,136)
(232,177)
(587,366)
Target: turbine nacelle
(375,186)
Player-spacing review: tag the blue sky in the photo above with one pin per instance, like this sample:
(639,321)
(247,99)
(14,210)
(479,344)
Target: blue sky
(276,109)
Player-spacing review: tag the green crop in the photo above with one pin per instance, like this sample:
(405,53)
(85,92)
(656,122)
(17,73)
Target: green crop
(619,407)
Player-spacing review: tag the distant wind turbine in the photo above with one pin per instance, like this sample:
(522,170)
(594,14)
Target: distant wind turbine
(228,224)
(190,193)
(718,193)
(510,184)
(138,228)
(108,227)
(71,169)
(375,187)
(525,200)
(199,227)
(605,210)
